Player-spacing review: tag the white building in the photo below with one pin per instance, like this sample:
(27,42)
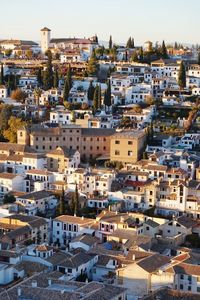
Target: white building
(3,92)
(61,117)
(45,39)
(67,227)
(138,93)
(35,202)
(12,182)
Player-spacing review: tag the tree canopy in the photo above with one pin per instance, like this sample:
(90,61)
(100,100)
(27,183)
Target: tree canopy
(182,76)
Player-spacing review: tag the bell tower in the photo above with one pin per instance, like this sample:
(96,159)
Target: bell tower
(45,39)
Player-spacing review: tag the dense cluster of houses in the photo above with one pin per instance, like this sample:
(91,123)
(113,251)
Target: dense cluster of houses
(137,230)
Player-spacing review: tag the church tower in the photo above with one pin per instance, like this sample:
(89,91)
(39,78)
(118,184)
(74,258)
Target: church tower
(45,39)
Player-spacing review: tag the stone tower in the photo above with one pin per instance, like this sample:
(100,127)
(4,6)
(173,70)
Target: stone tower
(45,39)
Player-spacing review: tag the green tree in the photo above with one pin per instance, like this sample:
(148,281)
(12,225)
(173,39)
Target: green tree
(107,96)
(141,54)
(14,124)
(99,96)
(8,198)
(134,57)
(57,56)
(113,53)
(5,114)
(92,67)
(90,92)
(67,85)
(198,60)
(39,77)
(62,203)
(69,77)
(73,117)
(96,99)
(66,91)
(48,73)
(2,75)
(182,76)
(100,51)
(55,79)
(75,201)
(110,44)
(130,43)
(8,52)
(164,51)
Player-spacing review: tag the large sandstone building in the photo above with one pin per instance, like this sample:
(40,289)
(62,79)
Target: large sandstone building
(125,146)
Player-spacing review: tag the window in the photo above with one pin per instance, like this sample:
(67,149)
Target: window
(130,143)
(182,276)
(147,227)
(117,142)
(117,152)
(130,153)
(181,286)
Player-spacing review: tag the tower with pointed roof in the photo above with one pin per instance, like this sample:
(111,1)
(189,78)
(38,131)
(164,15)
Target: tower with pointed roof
(45,39)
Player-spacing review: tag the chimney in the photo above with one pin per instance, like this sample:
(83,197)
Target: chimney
(34,284)
(19,292)
(49,282)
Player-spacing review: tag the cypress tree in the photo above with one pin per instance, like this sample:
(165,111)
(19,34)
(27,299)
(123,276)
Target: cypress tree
(110,42)
(182,76)
(92,65)
(69,77)
(75,201)
(175,45)
(129,43)
(141,54)
(198,61)
(66,91)
(2,75)
(39,77)
(55,79)
(90,92)
(96,99)
(67,85)
(132,43)
(62,203)
(96,40)
(48,74)
(164,51)
(107,96)
(99,96)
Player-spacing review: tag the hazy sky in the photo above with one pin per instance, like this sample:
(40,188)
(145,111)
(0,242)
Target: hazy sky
(143,19)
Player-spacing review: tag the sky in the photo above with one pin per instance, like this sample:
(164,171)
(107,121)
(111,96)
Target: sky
(155,20)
